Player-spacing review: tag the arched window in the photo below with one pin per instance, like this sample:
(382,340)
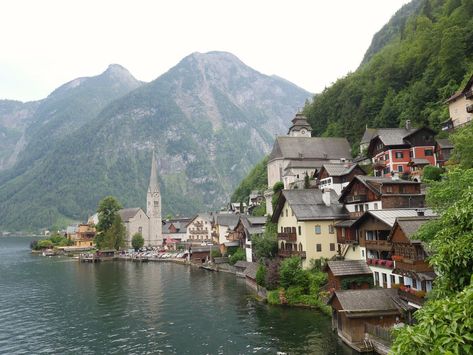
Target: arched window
(300,246)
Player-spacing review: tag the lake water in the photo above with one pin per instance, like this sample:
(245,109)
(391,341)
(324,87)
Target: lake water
(58,305)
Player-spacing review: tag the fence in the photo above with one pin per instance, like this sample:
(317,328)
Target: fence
(379,332)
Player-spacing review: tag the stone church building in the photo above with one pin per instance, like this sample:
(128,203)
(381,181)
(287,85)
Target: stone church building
(149,224)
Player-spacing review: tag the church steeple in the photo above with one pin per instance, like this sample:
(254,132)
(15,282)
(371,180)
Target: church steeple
(300,126)
(153,206)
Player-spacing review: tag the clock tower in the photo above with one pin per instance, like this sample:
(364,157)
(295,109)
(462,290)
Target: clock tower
(153,207)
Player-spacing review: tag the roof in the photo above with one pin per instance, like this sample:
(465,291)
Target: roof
(128,213)
(339,169)
(316,148)
(301,164)
(300,122)
(369,134)
(388,216)
(241,264)
(251,270)
(227,219)
(368,300)
(395,136)
(349,267)
(204,216)
(445,143)
(253,225)
(410,225)
(346,223)
(308,205)
(459,93)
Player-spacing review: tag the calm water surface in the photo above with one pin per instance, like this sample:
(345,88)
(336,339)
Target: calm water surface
(58,305)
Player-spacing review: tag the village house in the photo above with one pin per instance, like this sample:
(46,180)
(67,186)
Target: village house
(348,275)
(357,312)
(298,154)
(84,235)
(410,259)
(460,107)
(365,193)
(392,149)
(246,228)
(305,220)
(443,150)
(200,228)
(373,230)
(337,176)
(175,232)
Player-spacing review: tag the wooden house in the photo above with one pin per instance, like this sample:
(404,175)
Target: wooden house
(337,176)
(348,274)
(352,310)
(410,257)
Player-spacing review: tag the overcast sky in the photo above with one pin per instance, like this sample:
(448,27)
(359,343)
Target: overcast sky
(44,44)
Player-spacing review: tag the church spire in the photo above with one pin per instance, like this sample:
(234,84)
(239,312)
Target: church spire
(153,179)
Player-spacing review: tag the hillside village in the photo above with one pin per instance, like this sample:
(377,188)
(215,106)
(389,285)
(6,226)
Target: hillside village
(358,216)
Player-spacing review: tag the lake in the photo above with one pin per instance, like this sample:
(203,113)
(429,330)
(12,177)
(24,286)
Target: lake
(58,305)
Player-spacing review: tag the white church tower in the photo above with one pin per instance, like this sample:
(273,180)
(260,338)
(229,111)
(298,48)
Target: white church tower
(153,207)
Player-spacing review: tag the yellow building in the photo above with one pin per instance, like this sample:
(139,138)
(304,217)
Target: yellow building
(306,220)
(84,236)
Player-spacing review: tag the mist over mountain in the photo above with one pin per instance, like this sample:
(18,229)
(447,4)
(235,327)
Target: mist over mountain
(209,119)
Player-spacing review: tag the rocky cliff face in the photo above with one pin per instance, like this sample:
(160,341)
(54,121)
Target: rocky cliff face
(209,119)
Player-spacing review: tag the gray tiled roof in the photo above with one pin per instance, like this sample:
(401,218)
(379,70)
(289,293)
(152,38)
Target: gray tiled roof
(349,267)
(369,134)
(394,136)
(310,148)
(444,143)
(127,213)
(410,225)
(227,219)
(301,164)
(368,300)
(251,270)
(389,216)
(309,205)
(339,169)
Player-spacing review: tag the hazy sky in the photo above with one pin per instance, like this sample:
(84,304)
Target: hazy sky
(46,43)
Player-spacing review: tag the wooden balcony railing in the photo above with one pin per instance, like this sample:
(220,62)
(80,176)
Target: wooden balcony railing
(382,245)
(357,198)
(288,237)
(195,231)
(289,253)
(411,297)
(345,240)
(388,264)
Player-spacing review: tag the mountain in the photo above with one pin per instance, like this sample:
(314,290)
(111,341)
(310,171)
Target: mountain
(209,119)
(408,77)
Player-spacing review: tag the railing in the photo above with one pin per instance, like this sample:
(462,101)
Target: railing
(345,240)
(413,265)
(411,297)
(379,332)
(205,231)
(388,264)
(357,198)
(383,245)
(289,253)
(288,237)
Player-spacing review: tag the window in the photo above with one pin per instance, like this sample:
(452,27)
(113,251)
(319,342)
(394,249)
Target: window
(386,157)
(401,280)
(156,203)
(385,280)
(362,253)
(376,205)
(331,229)
(300,230)
(429,152)
(140,229)
(332,246)
(389,189)
(393,280)
(399,155)
(343,232)
(376,278)
(361,208)
(282,230)
(366,207)
(386,170)
(411,154)
(356,208)
(401,189)
(399,168)
(318,230)
(414,283)
(319,247)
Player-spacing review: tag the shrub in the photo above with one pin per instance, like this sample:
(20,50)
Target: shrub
(34,245)
(45,244)
(291,274)
(261,275)
(293,294)
(216,253)
(273,297)
(238,255)
(137,241)
(432,173)
(272,274)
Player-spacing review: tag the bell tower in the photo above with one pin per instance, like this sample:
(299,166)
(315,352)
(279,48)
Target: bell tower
(300,126)
(153,207)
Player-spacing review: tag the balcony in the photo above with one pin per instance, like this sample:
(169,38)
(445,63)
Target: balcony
(413,296)
(357,198)
(380,245)
(289,253)
(388,264)
(288,237)
(469,109)
(204,231)
(410,265)
(346,240)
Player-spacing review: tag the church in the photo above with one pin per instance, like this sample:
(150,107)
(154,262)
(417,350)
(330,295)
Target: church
(149,224)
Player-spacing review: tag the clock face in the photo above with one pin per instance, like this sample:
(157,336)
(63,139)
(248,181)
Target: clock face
(303,131)
(155,194)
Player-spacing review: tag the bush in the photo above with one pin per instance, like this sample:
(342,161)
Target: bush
(272,274)
(137,241)
(432,173)
(216,253)
(238,255)
(45,244)
(291,274)
(293,294)
(261,275)
(273,297)
(34,245)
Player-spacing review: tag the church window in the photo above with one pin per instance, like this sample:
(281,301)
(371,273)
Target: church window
(156,203)
(140,229)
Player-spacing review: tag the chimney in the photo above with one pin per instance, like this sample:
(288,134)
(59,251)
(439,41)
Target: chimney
(326,197)
(408,124)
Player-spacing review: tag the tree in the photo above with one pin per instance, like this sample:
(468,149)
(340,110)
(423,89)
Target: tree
(306,181)
(137,241)
(108,209)
(442,194)
(261,275)
(432,173)
(463,149)
(238,255)
(115,235)
(266,245)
